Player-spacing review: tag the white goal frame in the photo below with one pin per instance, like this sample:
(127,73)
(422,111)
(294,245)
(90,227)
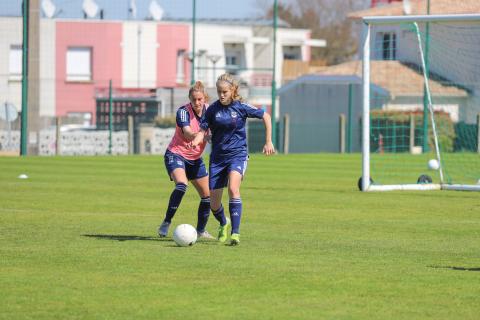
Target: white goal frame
(377,20)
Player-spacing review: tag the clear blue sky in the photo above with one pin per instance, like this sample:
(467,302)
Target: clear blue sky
(118,9)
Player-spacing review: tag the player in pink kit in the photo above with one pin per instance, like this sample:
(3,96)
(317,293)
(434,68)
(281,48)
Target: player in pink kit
(185,163)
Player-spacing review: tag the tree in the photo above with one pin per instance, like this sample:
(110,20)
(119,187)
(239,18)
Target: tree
(327,19)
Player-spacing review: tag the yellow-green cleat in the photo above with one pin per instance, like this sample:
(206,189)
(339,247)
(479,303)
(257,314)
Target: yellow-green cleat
(235,239)
(223,231)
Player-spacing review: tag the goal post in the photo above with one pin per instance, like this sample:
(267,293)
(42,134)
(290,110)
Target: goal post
(428,68)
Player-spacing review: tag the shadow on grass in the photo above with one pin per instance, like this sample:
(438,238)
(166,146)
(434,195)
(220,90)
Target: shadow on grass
(455,268)
(116,237)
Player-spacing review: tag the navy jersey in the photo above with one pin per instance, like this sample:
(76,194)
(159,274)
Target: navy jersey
(227,125)
(183,115)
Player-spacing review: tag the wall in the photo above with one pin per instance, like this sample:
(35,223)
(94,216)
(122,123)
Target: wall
(105,39)
(47,67)
(11,34)
(171,38)
(139,54)
(314,110)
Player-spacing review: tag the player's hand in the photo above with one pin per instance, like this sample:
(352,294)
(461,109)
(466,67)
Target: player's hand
(195,142)
(208,138)
(268,149)
(192,144)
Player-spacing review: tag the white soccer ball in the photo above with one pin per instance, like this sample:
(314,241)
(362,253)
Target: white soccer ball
(433,164)
(185,235)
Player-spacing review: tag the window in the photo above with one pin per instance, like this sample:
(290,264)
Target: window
(234,57)
(79,64)
(181,66)
(15,62)
(231,60)
(386,46)
(292,53)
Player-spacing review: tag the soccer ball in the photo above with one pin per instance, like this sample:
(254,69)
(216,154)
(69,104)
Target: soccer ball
(433,164)
(185,235)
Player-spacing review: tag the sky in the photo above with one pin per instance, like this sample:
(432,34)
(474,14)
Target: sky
(118,9)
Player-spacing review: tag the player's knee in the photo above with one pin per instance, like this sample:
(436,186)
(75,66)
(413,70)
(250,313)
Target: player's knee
(180,186)
(215,205)
(204,192)
(233,192)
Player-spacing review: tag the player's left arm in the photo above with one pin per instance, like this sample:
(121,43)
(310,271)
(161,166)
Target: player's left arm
(268,148)
(253,112)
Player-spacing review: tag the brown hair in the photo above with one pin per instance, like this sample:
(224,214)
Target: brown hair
(228,78)
(198,87)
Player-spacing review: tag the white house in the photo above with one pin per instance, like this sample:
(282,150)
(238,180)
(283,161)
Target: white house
(453,51)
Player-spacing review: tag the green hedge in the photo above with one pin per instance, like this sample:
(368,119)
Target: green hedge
(394,126)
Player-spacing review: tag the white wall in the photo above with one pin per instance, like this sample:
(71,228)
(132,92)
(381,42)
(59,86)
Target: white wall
(453,54)
(139,38)
(10,34)
(212,37)
(11,89)
(47,67)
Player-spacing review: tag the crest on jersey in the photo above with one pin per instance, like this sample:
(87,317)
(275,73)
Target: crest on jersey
(233,114)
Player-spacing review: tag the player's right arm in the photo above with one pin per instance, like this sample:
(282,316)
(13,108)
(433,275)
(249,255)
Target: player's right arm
(183,122)
(199,137)
(202,134)
(188,133)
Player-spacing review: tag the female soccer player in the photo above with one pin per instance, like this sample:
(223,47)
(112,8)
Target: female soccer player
(184,163)
(226,119)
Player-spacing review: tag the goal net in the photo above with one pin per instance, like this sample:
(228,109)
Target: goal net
(421,102)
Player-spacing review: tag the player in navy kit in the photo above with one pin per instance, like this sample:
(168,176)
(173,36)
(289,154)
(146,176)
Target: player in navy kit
(226,119)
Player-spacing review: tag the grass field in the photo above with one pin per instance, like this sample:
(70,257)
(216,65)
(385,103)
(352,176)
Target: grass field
(78,241)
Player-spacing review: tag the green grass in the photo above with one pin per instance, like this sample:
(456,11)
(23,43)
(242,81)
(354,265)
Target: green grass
(78,241)
(403,168)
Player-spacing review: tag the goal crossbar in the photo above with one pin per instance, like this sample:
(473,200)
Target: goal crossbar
(421,18)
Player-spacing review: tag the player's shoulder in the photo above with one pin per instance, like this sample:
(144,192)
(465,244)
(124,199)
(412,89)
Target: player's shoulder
(185,107)
(213,107)
(246,105)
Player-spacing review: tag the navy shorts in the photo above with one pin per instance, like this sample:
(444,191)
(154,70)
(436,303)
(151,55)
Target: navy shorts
(219,171)
(194,169)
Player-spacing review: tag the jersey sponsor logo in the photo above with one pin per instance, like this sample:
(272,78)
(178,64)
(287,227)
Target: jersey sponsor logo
(218,115)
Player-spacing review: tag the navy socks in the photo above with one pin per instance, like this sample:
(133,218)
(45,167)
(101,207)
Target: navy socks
(235,208)
(203,214)
(175,199)
(220,215)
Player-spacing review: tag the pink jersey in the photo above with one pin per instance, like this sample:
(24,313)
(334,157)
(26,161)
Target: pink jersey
(186,117)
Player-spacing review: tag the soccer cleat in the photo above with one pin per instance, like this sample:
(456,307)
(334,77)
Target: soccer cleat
(235,239)
(223,231)
(204,235)
(163,229)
